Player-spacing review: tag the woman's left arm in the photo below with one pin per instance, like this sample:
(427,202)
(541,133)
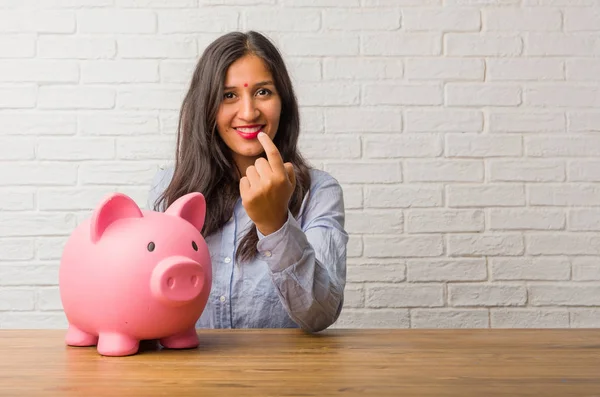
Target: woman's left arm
(308,262)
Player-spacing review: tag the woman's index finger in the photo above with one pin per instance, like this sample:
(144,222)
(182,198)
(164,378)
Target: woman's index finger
(273,155)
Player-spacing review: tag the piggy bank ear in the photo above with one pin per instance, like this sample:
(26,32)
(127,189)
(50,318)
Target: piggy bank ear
(191,207)
(115,206)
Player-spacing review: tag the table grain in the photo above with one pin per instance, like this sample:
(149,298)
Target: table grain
(335,362)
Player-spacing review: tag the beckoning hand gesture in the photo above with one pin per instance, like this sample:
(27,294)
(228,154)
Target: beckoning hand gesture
(267,188)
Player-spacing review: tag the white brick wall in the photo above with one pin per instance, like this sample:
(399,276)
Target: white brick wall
(465,134)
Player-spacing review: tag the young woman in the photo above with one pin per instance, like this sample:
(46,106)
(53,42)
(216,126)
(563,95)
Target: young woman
(274,226)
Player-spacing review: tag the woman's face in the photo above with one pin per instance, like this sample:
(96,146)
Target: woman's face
(250,104)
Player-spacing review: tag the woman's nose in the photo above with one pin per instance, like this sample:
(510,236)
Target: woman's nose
(248,109)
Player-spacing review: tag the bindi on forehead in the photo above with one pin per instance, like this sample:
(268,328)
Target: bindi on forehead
(246,84)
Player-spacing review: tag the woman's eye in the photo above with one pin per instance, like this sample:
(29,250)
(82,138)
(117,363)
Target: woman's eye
(263,91)
(228,95)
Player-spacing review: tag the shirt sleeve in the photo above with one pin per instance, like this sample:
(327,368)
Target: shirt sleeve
(308,262)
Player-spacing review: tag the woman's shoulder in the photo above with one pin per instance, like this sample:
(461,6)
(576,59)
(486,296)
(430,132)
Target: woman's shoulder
(324,197)
(320,178)
(160,181)
(164,174)
(163,177)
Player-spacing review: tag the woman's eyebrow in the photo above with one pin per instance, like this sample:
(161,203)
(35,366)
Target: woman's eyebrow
(262,83)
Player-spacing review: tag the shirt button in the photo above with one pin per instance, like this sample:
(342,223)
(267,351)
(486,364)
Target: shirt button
(268,254)
(227,260)
(222,299)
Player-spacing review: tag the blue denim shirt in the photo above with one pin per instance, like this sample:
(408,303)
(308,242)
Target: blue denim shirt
(298,276)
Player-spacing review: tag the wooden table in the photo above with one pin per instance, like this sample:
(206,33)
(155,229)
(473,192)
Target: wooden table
(292,363)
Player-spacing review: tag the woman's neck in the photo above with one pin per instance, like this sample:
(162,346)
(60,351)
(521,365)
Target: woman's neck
(242,163)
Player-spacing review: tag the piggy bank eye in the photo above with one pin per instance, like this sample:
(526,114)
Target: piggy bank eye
(194,246)
(151,246)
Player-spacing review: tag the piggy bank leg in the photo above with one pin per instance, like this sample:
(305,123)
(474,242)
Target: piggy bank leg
(114,344)
(185,340)
(77,337)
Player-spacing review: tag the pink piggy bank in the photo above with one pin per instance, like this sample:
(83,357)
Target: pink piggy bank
(128,275)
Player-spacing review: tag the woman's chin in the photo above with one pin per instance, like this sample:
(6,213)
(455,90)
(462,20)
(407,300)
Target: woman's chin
(250,150)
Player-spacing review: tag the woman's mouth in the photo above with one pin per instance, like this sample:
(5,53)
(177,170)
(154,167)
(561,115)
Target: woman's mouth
(249,131)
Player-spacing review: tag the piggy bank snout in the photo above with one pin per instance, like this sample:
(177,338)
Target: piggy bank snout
(177,280)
